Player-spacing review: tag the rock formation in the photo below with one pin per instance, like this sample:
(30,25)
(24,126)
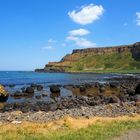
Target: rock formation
(67,61)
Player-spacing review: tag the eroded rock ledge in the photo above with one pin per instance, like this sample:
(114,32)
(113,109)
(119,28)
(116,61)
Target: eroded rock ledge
(67,61)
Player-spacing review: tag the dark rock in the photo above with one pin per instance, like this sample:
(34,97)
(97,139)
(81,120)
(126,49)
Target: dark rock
(38,96)
(39,87)
(137,90)
(114,99)
(130,92)
(102,89)
(23,89)
(44,94)
(33,85)
(54,89)
(3,98)
(12,85)
(17,94)
(82,89)
(114,85)
(29,90)
(136,98)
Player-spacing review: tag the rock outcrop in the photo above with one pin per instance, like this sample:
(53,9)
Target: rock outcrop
(67,61)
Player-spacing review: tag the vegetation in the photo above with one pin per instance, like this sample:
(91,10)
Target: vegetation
(99,130)
(117,62)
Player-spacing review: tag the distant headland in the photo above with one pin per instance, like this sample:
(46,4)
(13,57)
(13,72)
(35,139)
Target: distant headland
(124,58)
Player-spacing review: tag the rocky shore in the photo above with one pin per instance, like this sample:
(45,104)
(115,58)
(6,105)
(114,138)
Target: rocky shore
(118,96)
(110,110)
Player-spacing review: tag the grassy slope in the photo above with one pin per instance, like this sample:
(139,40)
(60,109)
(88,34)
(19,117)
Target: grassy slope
(100,130)
(116,62)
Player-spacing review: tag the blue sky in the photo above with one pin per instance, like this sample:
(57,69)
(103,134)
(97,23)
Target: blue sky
(34,32)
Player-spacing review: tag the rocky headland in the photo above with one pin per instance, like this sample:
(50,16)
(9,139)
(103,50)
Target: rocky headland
(98,59)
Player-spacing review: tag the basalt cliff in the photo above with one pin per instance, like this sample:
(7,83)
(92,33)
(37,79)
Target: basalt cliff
(102,59)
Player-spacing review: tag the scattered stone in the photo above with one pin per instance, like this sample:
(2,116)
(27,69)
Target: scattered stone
(44,94)
(82,89)
(114,99)
(39,87)
(54,89)
(16,122)
(29,90)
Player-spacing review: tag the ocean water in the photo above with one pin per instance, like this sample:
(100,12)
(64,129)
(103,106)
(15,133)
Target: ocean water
(24,78)
(27,77)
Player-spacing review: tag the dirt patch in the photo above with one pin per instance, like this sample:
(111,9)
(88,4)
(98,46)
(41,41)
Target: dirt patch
(130,135)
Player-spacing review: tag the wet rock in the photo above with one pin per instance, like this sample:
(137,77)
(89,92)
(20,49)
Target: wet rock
(44,94)
(12,85)
(54,89)
(137,90)
(23,89)
(33,85)
(38,96)
(17,94)
(39,87)
(114,85)
(29,90)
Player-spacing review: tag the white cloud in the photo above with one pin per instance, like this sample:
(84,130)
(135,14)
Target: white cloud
(81,42)
(138,18)
(79,32)
(87,14)
(47,48)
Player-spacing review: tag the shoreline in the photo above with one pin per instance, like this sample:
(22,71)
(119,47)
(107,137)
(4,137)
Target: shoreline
(115,98)
(110,111)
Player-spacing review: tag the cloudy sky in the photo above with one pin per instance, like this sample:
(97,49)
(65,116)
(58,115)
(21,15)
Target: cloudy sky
(34,32)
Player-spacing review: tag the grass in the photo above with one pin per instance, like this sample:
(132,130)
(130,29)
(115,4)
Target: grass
(117,62)
(70,129)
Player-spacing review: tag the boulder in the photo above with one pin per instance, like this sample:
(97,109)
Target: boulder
(3,94)
(114,85)
(82,88)
(137,90)
(33,85)
(39,87)
(29,90)
(23,89)
(54,89)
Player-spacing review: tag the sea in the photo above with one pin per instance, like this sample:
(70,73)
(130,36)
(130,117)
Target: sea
(28,77)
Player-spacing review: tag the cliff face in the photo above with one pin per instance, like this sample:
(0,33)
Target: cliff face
(84,56)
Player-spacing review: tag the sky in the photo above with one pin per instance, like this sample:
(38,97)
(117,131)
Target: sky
(34,32)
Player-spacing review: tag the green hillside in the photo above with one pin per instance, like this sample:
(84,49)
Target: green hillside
(116,62)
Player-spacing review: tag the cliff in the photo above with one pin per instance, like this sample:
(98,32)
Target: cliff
(124,57)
